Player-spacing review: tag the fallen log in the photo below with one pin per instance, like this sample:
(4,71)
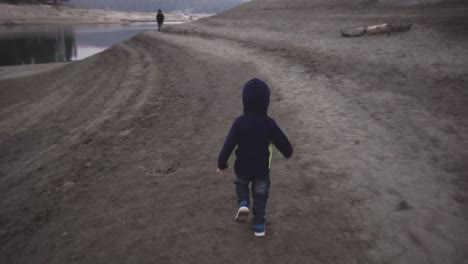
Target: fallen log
(386,28)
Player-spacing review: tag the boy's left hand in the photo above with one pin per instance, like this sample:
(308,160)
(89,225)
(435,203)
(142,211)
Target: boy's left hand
(219,171)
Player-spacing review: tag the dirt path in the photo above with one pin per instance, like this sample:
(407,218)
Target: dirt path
(111,159)
(134,165)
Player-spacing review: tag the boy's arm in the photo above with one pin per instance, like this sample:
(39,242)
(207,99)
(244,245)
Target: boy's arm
(229,145)
(281,141)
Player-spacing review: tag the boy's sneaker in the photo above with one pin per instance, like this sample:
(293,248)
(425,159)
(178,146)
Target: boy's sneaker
(259,230)
(242,212)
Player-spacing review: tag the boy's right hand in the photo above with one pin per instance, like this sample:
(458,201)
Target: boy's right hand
(219,171)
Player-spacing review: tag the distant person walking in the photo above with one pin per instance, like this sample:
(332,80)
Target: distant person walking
(160,19)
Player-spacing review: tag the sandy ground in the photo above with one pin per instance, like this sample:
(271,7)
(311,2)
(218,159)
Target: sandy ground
(46,14)
(112,159)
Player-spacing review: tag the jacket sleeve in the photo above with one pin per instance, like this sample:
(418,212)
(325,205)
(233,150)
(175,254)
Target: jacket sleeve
(280,141)
(229,145)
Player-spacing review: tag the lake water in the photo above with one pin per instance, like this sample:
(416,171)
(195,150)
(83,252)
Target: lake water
(45,44)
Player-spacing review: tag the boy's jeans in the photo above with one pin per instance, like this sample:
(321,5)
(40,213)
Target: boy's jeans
(260,189)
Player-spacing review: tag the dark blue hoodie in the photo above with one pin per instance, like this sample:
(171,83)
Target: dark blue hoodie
(254,133)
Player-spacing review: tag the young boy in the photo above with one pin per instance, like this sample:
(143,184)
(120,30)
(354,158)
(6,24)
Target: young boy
(253,133)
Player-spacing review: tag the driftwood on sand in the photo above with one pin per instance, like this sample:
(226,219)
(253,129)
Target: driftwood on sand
(386,28)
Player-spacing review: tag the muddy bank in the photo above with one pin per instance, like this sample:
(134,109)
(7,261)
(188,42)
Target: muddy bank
(8,72)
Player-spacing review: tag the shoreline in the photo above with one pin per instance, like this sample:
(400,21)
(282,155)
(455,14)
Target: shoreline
(45,23)
(26,70)
(17,15)
(172,22)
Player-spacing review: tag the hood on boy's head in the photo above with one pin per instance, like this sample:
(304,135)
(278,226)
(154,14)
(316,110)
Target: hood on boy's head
(256,96)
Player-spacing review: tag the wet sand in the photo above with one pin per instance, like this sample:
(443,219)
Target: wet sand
(8,72)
